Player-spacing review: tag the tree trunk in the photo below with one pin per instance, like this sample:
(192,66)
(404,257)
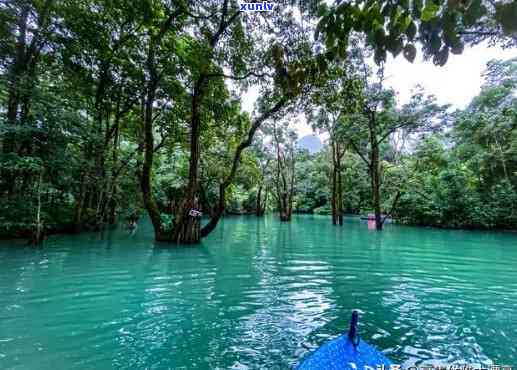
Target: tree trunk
(376,186)
(285,215)
(333,198)
(38,235)
(187,228)
(17,70)
(334,186)
(259,211)
(284,183)
(112,217)
(208,228)
(145,181)
(339,195)
(79,204)
(264,204)
(291,188)
(288,188)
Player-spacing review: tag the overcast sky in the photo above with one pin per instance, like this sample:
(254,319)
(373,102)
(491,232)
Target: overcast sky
(456,83)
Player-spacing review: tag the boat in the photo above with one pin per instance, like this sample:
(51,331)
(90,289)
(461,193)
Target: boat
(346,352)
(371,217)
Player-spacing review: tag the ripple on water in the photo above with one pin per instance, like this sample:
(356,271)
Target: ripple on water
(258,294)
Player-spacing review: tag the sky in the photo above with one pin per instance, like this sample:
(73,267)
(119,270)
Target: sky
(456,83)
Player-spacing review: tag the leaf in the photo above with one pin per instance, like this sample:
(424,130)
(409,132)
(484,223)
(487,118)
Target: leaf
(379,36)
(322,64)
(341,51)
(435,43)
(450,36)
(374,14)
(411,31)
(331,54)
(441,57)
(379,56)
(404,4)
(429,11)
(395,45)
(453,4)
(410,52)
(458,48)
(329,42)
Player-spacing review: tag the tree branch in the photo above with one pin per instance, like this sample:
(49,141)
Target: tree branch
(223,24)
(243,77)
(393,205)
(356,149)
(392,130)
(236,160)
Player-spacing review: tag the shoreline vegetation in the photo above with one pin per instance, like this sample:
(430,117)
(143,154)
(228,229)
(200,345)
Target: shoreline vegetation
(25,235)
(110,112)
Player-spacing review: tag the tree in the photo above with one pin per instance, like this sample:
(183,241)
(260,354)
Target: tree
(27,32)
(157,33)
(312,181)
(264,161)
(97,48)
(284,141)
(333,99)
(207,65)
(466,176)
(377,119)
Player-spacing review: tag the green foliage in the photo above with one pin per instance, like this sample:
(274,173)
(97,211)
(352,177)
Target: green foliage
(468,178)
(440,26)
(312,188)
(506,13)
(75,78)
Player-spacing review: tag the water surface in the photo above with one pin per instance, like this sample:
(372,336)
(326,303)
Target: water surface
(258,294)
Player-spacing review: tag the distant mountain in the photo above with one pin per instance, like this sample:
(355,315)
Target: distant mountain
(310,142)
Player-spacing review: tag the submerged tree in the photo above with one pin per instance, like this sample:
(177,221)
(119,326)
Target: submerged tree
(98,49)
(377,119)
(332,101)
(109,109)
(26,32)
(210,56)
(133,82)
(284,142)
(264,159)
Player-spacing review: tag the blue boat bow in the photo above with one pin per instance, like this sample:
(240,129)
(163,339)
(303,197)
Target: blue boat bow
(346,352)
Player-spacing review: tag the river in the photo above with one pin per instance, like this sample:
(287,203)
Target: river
(258,294)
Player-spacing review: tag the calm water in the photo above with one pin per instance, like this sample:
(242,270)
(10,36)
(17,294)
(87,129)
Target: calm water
(258,294)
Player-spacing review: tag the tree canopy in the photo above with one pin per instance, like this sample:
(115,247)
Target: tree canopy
(112,110)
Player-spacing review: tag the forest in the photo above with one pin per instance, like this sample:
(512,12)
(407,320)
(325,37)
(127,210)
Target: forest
(116,110)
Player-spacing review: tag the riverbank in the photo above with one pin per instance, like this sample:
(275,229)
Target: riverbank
(72,229)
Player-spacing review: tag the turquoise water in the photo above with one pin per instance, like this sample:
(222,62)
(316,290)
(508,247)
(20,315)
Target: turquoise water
(258,294)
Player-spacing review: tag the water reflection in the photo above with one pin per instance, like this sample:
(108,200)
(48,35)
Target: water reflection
(257,294)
